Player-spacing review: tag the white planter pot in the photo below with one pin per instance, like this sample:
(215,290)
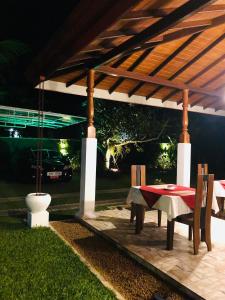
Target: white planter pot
(38,202)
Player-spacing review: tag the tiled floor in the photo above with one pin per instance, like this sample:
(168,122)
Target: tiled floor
(203,273)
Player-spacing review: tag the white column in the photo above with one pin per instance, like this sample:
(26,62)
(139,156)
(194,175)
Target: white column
(183,164)
(88,177)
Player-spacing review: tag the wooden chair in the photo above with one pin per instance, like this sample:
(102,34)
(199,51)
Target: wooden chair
(138,177)
(200,219)
(202,169)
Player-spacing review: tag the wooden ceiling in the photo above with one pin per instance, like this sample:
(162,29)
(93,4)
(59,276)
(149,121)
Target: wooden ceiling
(151,48)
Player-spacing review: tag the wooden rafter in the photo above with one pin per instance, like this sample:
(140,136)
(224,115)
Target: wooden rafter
(190,62)
(152,44)
(163,39)
(222,73)
(165,62)
(131,32)
(150,32)
(197,75)
(114,65)
(136,63)
(153,79)
(162,12)
(168,37)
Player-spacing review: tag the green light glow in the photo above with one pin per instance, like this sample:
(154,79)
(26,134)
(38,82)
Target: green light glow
(21,118)
(164,146)
(63,146)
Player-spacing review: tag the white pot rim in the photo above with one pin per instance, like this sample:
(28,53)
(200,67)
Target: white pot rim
(38,194)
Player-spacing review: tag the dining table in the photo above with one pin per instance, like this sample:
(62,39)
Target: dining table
(219,190)
(172,199)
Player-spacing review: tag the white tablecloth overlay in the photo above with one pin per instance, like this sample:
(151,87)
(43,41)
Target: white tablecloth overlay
(219,190)
(172,205)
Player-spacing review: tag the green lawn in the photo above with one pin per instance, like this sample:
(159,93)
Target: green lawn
(36,264)
(5,204)
(118,181)
(15,189)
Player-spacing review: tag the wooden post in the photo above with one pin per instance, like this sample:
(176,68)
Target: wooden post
(91,132)
(185,137)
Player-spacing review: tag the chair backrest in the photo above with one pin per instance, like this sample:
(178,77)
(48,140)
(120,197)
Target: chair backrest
(202,169)
(138,175)
(203,200)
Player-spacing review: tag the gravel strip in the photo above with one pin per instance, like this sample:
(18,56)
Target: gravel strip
(128,277)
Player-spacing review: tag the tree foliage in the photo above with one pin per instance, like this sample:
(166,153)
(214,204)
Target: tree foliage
(121,126)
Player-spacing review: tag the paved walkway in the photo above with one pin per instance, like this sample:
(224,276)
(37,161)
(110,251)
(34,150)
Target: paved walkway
(204,274)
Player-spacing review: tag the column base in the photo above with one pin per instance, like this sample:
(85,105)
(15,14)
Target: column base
(38,219)
(87,215)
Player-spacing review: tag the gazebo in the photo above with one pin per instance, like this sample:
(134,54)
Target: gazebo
(167,54)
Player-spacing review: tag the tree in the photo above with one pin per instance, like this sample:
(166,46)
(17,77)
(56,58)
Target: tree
(121,126)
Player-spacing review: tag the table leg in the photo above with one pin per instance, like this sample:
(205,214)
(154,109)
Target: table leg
(140,211)
(170,234)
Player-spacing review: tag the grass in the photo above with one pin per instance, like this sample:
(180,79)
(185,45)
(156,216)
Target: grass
(15,189)
(36,264)
(62,200)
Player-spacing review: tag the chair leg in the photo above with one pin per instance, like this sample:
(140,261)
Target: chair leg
(208,237)
(139,218)
(159,218)
(133,212)
(190,232)
(170,234)
(196,240)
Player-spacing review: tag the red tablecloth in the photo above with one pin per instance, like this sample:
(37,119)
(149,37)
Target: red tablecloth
(151,194)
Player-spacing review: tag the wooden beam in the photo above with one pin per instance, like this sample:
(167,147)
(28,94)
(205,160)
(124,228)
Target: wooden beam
(152,31)
(66,43)
(149,45)
(152,79)
(168,38)
(159,13)
(159,40)
(136,63)
(165,62)
(197,75)
(124,32)
(220,74)
(191,62)
(114,65)
(181,33)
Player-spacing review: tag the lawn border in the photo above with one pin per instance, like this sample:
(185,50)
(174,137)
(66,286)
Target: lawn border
(106,283)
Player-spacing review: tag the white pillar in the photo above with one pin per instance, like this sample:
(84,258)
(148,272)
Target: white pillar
(88,177)
(183,164)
